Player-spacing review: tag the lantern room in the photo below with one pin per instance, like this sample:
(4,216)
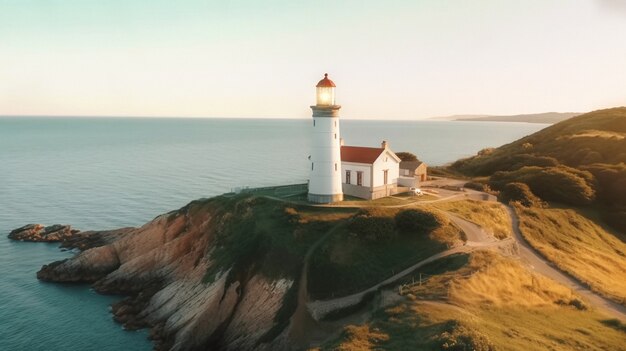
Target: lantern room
(325,90)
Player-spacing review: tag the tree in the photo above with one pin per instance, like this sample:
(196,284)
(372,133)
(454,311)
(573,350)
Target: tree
(519,192)
(406,156)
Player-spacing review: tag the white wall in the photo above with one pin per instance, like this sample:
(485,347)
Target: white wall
(386,161)
(325,154)
(356,167)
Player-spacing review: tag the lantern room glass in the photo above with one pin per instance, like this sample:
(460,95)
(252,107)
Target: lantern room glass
(325,96)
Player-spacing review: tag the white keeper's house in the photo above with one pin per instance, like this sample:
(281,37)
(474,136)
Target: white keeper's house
(369,172)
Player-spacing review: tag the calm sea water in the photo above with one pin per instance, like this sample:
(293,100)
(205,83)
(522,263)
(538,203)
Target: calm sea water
(102,173)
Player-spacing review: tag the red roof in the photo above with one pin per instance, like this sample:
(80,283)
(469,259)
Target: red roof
(360,154)
(325,83)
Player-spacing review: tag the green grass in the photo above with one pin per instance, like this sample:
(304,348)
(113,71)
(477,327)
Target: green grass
(578,246)
(347,263)
(502,306)
(268,235)
(492,216)
(383,201)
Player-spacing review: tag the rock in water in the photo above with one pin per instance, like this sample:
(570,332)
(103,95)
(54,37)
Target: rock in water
(41,233)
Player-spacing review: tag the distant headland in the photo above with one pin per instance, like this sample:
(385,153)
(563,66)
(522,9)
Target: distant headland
(546,117)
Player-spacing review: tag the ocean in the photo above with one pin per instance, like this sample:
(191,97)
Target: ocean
(105,173)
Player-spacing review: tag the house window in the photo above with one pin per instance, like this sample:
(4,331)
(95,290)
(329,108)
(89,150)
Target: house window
(312,165)
(347,177)
(313,123)
(335,123)
(385,174)
(335,167)
(335,136)
(359,178)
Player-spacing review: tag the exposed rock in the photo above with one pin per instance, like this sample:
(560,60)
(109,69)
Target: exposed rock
(39,232)
(160,267)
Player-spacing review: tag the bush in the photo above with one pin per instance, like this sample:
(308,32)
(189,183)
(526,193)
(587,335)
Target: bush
(611,182)
(460,338)
(526,160)
(520,193)
(561,184)
(418,221)
(406,156)
(372,227)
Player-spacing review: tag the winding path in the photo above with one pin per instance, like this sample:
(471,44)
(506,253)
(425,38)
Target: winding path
(544,267)
(477,239)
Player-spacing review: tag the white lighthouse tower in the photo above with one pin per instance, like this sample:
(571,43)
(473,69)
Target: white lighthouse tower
(325,178)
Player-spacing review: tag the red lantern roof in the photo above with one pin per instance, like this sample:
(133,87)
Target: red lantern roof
(325,83)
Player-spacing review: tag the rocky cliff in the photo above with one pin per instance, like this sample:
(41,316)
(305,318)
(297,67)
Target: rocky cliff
(185,277)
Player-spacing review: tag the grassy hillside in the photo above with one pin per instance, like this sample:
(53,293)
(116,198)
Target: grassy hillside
(493,217)
(491,303)
(579,162)
(375,244)
(578,246)
(595,137)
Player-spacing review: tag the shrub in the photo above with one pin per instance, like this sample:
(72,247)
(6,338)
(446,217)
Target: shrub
(406,156)
(561,184)
(372,227)
(519,192)
(418,221)
(611,182)
(526,160)
(460,338)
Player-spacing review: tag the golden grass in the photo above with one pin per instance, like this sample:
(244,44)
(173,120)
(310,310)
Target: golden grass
(361,338)
(595,134)
(578,246)
(492,216)
(396,200)
(322,214)
(499,281)
(502,306)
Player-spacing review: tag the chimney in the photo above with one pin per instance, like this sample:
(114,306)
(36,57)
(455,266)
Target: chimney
(384,144)
(341,142)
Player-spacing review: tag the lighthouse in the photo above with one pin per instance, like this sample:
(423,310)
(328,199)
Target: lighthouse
(325,173)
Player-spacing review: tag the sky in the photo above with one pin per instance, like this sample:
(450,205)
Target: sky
(392,59)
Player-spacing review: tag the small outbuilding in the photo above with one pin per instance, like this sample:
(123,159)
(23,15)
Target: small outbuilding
(369,172)
(412,173)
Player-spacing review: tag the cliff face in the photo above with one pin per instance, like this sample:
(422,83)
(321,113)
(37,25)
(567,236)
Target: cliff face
(162,268)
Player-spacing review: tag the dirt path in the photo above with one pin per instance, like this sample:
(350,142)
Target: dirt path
(475,234)
(544,267)
(320,308)
(302,326)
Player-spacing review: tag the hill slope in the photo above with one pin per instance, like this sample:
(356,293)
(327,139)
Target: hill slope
(581,161)
(595,137)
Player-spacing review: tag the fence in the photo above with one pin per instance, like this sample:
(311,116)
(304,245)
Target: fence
(423,278)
